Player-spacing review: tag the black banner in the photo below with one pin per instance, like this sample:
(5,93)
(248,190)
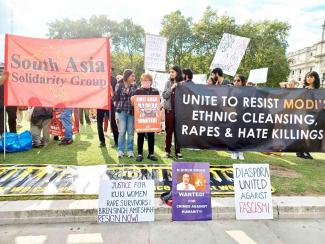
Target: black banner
(250,119)
(20,180)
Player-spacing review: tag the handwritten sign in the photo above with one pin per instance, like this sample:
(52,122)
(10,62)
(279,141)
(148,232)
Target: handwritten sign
(253,199)
(159,80)
(229,54)
(200,79)
(155,53)
(191,191)
(258,75)
(124,201)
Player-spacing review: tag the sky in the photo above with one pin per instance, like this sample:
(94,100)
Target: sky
(30,17)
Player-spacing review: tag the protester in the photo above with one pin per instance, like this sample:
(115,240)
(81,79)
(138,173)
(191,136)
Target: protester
(249,83)
(123,93)
(39,123)
(289,84)
(101,114)
(239,81)
(83,112)
(146,89)
(187,75)
(169,106)
(10,110)
(217,78)
(311,81)
(65,118)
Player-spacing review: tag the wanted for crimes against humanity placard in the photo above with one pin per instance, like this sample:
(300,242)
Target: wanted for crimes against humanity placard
(253,199)
(124,201)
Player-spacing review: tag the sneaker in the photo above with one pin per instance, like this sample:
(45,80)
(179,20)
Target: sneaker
(65,142)
(102,144)
(179,156)
(120,154)
(308,156)
(167,155)
(130,154)
(234,155)
(152,157)
(241,156)
(139,158)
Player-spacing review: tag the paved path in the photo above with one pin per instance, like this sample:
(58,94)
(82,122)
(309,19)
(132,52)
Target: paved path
(166,232)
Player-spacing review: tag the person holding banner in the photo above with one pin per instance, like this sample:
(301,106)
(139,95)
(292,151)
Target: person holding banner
(11,110)
(311,81)
(65,118)
(188,75)
(217,78)
(146,89)
(169,93)
(239,80)
(123,93)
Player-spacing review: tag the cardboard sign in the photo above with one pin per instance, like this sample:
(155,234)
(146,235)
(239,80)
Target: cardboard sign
(253,197)
(159,80)
(200,79)
(123,201)
(147,113)
(155,53)
(258,75)
(229,54)
(191,192)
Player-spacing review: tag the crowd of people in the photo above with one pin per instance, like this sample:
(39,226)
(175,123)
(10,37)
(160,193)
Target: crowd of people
(121,114)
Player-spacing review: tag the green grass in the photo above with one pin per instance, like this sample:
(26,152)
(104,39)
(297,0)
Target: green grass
(85,151)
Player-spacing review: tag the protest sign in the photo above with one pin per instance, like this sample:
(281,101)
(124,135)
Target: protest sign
(159,80)
(57,73)
(56,128)
(257,76)
(191,192)
(155,53)
(126,201)
(200,79)
(147,113)
(250,119)
(253,199)
(229,54)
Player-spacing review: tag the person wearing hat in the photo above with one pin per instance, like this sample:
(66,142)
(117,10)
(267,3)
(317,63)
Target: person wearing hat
(125,114)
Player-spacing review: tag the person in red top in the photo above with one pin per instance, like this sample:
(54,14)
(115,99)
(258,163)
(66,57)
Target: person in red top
(146,89)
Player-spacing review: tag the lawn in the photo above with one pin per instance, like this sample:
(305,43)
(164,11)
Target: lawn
(289,175)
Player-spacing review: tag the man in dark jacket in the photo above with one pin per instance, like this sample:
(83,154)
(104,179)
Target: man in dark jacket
(39,123)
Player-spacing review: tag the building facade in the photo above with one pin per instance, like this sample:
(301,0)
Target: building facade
(308,59)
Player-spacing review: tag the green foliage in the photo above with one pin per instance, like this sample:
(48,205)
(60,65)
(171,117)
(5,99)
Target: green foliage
(190,44)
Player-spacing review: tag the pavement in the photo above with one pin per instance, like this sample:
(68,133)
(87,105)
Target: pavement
(85,211)
(307,231)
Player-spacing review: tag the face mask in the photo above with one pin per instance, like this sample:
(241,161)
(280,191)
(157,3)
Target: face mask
(145,84)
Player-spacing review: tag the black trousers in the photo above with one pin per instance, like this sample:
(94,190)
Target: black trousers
(11,112)
(100,119)
(151,142)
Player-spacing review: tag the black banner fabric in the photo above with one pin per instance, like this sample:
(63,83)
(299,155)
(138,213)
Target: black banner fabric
(84,180)
(250,119)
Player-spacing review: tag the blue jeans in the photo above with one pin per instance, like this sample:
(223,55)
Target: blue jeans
(125,125)
(65,117)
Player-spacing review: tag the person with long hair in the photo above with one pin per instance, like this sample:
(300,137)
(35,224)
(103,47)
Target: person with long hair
(123,93)
(311,81)
(239,81)
(175,77)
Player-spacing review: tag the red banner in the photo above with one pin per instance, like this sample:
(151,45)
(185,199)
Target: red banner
(147,113)
(57,73)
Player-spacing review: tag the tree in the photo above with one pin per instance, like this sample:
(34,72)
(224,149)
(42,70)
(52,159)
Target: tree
(178,31)
(127,38)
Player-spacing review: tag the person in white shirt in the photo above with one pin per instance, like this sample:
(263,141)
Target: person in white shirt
(185,185)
